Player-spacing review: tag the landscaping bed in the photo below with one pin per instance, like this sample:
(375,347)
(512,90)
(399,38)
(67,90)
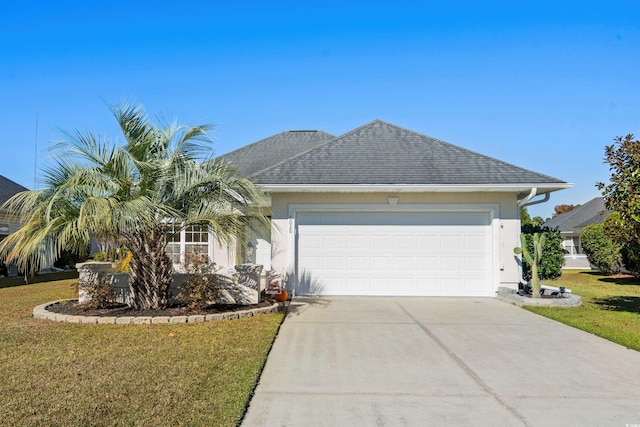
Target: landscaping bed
(71,307)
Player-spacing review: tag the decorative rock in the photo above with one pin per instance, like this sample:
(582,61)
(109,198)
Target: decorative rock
(41,312)
(124,320)
(216,316)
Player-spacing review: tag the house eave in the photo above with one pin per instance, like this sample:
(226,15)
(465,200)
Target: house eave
(412,188)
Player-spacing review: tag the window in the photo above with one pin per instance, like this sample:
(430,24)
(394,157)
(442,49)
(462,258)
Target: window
(194,238)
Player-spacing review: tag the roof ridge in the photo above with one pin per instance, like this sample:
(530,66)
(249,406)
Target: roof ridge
(246,147)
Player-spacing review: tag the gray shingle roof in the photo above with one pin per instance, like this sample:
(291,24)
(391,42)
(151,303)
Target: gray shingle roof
(592,212)
(8,188)
(383,153)
(265,153)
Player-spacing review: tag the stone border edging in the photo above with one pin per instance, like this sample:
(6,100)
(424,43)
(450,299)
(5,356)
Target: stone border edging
(41,312)
(511,296)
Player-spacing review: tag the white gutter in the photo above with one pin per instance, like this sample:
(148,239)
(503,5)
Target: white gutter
(373,188)
(533,193)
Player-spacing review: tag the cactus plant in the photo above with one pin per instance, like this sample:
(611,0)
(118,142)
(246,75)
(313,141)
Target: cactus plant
(533,259)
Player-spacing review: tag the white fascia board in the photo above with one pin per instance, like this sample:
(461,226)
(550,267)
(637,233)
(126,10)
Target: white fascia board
(412,188)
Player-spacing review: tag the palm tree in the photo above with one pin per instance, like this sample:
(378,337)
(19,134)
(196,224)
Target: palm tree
(129,193)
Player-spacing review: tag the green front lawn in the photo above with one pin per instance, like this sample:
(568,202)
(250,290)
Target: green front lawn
(611,306)
(62,374)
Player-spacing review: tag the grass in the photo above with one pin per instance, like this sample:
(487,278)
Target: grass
(62,374)
(611,306)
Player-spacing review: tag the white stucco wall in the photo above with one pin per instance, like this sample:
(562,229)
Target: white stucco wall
(509,224)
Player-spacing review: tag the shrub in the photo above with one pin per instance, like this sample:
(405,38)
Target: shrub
(200,288)
(552,261)
(122,266)
(622,234)
(99,256)
(600,249)
(631,258)
(68,259)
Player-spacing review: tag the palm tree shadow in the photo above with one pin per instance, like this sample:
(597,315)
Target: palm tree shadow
(620,279)
(630,304)
(306,284)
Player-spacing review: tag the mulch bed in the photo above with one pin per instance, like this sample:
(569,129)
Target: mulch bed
(75,309)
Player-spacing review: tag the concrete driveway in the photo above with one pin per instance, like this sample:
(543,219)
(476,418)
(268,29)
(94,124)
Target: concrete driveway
(440,361)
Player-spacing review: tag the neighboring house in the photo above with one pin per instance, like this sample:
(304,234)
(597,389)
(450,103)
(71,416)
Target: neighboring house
(8,189)
(383,210)
(570,224)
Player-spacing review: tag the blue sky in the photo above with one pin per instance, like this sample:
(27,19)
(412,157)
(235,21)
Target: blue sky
(544,85)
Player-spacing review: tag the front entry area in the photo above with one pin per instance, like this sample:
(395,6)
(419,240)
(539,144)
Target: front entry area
(443,253)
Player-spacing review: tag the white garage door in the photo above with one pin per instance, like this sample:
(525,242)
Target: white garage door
(417,254)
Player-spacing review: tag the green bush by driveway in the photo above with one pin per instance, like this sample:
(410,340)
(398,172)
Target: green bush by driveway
(611,306)
(62,374)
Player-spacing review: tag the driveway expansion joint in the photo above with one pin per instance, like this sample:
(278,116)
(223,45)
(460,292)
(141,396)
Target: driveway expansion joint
(464,366)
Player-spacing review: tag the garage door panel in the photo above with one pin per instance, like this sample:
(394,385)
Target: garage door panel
(358,263)
(427,242)
(449,264)
(357,242)
(403,242)
(451,242)
(427,263)
(440,254)
(336,263)
(311,241)
(380,263)
(402,263)
(401,286)
(475,264)
(427,284)
(333,241)
(356,284)
(379,242)
(453,286)
(312,263)
(479,242)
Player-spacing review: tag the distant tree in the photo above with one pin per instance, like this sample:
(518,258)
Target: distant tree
(537,220)
(622,195)
(525,218)
(560,209)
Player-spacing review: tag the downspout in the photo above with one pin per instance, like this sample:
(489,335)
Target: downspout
(523,203)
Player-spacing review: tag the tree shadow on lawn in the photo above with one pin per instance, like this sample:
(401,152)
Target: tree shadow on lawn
(618,279)
(629,304)
(9,282)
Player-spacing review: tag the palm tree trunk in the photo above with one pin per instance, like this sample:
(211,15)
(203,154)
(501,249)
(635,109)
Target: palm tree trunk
(150,270)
